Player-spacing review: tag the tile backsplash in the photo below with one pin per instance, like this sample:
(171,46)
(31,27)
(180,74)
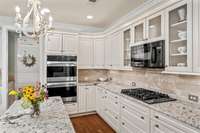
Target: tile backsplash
(91,75)
(178,85)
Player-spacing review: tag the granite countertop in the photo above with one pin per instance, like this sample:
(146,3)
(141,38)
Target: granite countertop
(53,119)
(182,111)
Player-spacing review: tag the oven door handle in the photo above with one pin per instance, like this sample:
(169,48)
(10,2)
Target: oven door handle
(61,64)
(56,85)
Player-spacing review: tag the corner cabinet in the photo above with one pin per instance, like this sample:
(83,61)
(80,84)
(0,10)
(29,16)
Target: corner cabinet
(179,41)
(85,56)
(99,59)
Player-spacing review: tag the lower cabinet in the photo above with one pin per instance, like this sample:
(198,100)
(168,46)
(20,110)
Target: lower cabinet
(72,108)
(126,116)
(108,108)
(86,99)
(134,117)
(163,124)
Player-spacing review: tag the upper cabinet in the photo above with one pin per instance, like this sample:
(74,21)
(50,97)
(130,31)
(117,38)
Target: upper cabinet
(99,45)
(108,52)
(85,56)
(179,37)
(149,29)
(117,50)
(54,43)
(62,43)
(139,35)
(126,47)
(70,43)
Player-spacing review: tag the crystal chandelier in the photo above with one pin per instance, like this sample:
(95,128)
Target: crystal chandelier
(36,23)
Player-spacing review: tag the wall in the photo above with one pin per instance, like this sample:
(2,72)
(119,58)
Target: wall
(175,85)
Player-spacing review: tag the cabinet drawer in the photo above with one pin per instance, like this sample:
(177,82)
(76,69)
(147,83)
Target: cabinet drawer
(128,127)
(140,120)
(158,117)
(71,108)
(113,120)
(135,105)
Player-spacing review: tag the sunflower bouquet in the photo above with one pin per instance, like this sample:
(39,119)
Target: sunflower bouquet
(31,96)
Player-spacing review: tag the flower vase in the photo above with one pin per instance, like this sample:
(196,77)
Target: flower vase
(36,110)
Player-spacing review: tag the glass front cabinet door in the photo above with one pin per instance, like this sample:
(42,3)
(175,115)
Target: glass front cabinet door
(126,45)
(155,27)
(179,37)
(139,35)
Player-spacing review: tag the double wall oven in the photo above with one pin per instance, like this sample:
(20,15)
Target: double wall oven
(62,77)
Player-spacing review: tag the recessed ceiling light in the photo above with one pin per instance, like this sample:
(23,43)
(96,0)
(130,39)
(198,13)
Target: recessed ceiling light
(90,17)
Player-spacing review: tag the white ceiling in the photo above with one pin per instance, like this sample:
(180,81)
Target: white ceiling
(105,12)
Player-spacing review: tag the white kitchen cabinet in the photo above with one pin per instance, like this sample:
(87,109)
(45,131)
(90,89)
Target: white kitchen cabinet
(99,56)
(117,50)
(179,42)
(196,36)
(100,96)
(139,33)
(86,99)
(134,117)
(108,52)
(86,53)
(127,39)
(149,29)
(163,124)
(70,44)
(54,43)
(72,108)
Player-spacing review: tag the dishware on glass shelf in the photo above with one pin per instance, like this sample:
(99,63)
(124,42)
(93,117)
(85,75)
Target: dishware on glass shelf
(182,50)
(181,65)
(182,14)
(182,35)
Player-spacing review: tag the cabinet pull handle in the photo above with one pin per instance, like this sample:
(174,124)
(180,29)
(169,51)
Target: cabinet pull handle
(116,97)
(123,123)
(123,107)
(157,117)
(142,117)
(157,126)
(116,118)
(116,102)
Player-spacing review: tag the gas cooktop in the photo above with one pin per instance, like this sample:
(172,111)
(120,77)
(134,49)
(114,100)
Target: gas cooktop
(147,96)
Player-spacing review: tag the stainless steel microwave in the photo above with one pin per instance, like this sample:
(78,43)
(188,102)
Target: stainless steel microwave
(150,55)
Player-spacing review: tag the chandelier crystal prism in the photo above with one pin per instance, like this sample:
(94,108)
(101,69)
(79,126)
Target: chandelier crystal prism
(36,23)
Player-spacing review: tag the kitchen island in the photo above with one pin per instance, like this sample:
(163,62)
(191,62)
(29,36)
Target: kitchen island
(53,119)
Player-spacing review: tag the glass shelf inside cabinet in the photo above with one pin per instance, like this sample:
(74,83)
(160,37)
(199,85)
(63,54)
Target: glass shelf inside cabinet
(127,49)
(178,37)
(155,27)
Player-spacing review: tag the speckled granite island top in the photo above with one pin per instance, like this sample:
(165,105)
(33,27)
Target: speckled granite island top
(184,112)
(53,119)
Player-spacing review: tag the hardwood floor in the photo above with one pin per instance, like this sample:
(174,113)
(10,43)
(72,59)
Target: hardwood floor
(91,124)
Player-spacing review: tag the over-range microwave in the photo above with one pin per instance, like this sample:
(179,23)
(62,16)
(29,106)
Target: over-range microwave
(150,55)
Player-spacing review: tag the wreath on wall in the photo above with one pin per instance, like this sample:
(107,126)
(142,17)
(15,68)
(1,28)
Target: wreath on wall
(29,60)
